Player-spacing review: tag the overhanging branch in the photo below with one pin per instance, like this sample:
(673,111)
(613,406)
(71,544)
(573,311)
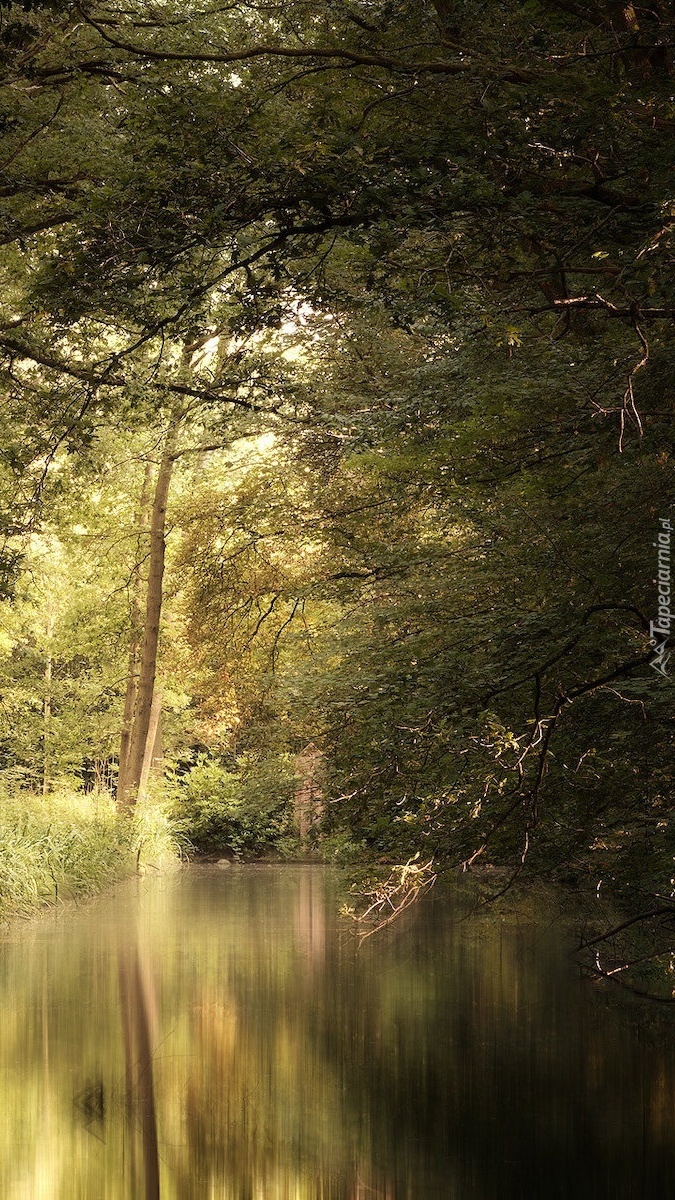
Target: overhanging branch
(509,73)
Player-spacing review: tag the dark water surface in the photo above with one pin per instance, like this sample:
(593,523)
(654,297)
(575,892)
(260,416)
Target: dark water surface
(217,1033)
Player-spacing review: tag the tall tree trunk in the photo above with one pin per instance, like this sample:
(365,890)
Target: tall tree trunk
(136,638)
(153,610)
(153,744)
(308,793)
(47,708)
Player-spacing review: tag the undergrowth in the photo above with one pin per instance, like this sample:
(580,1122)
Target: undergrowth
(67,845)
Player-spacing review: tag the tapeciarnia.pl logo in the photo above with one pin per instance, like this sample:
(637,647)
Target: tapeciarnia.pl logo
(659,630)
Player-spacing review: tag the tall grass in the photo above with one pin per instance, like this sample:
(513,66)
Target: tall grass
(66,845)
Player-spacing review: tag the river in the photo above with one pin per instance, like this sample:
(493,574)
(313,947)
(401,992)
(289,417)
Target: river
(218,1032)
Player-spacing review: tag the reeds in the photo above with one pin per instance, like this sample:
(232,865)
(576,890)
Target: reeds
(67,845)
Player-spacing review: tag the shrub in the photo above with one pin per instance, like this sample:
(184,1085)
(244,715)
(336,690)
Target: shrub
(244,812)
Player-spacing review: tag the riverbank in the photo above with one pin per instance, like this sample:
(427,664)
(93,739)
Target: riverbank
(65,846)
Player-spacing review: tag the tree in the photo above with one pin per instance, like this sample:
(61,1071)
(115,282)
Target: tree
(463,217)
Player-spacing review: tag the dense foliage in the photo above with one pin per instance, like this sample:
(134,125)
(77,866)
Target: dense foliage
(335,356)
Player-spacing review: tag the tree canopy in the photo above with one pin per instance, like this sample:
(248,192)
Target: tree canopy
(335,344)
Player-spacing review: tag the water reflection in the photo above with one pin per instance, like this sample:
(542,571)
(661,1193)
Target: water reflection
(139,1024)
(215,1034)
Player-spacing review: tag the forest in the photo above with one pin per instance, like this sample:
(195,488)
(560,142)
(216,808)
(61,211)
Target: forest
(336,439)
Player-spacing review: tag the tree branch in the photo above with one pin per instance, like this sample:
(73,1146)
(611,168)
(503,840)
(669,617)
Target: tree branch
(510,73)
(55,363)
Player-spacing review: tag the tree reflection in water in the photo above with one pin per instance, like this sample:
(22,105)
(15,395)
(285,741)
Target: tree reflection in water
(219,1034)
(136,994)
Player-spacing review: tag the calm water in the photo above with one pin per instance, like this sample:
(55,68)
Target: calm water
(217,1033)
